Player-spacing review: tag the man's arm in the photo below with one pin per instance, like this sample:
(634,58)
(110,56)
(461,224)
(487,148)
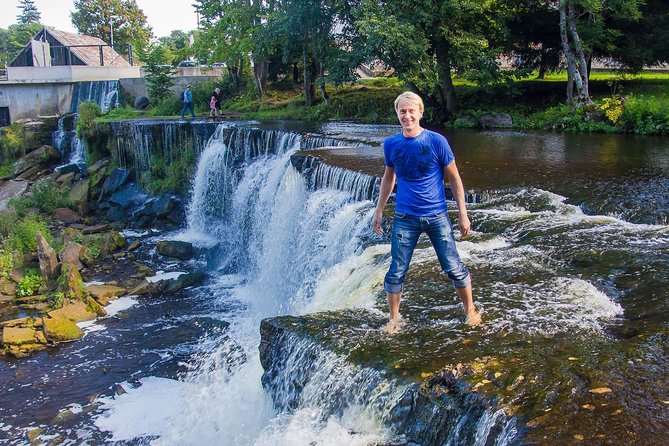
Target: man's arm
(387,184)
(453,176)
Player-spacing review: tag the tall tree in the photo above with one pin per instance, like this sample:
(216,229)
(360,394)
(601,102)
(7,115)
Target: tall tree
(427,41)
(28,14)
(99,17)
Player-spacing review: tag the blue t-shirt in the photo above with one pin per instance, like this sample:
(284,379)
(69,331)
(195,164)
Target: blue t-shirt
(419,167)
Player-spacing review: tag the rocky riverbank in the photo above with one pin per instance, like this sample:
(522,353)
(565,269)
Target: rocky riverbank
(73,260)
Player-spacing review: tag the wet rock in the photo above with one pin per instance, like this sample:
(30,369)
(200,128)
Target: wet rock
(176,249)
(99,310)
(66,215)
(114,181)
(48,260)
(113,242)
(144,287)
(130,196)
(11,189)
(141,103)
(18,335)
(97,166)
(63,417)
(79,195)
(105,293)
(95,229)
(38,158)
(181,282)
(69,168)
(71,254)
(73,282)
(66,179)
(134,245)
(75,311)
(32,434)
(30,174)
(144,270)
(497,120)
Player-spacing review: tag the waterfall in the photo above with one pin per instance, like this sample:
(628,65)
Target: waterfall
(287,243)
(103,93)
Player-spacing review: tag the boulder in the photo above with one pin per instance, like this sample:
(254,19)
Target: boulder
(67,178)
(7,287)
(115,214)
(176,249)
(79,195)
(114,181)
(99,310)
(71,254)
(76,311)
(66,215)
(141,103)
(105,293)
(18,335)
(181,282)
(129,196)
(73,282)
(40,157)
(11,189)
(113,242)
(48,261)
(61,329)
(69,168)
(134,245)
(143,287)
(95,229)
(97,166)
(498,120)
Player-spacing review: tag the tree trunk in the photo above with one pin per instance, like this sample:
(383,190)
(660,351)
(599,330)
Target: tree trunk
(296,73)
(309,91)
(446,88)
(543,64)
(324,93)
(260,72)
(576,64)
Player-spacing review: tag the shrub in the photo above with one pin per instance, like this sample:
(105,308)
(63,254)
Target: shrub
(646,115)
(13,142)
(6,261)
(167,107)
(47,196)
(88,112)
(22,237)
(30,283)
(169,177)
(124,112)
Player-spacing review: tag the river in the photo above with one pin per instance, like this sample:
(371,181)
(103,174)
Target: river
(569,258)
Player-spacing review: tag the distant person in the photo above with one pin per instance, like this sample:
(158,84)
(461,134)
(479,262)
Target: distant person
(419,160)
(212,106)
(188,102)
(217,94)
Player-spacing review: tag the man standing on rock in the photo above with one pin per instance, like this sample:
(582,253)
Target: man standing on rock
(420,159)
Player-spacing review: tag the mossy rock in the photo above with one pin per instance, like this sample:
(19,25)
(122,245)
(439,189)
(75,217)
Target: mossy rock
(18,335)
(61,329)
(74,284)
(76,311)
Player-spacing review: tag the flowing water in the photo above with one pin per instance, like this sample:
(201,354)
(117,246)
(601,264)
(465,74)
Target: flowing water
(569,260)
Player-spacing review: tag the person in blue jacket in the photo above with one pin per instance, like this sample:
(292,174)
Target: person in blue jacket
(188,102)
(419,159)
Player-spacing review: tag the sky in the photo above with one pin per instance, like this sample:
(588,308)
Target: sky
(163,16)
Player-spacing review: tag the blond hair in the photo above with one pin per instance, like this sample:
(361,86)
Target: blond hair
(412,98)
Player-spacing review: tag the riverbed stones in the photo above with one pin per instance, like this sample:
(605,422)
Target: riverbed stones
(71,254)
(95,229)
(41,156)
(66,215)
(76,311)
(61,329)
(79,195)
(105,293)
(18,335)
(48,260)
(143,287)
(177,249)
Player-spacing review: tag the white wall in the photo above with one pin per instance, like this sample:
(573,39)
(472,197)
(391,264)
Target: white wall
(33,100)
(70,73)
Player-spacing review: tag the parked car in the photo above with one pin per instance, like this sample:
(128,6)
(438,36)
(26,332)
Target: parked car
(187,63)
(218,65)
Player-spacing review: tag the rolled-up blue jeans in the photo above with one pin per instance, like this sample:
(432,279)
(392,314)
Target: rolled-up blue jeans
(406,231)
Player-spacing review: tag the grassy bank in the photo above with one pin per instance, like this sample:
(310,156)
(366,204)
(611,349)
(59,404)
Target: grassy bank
(621,103)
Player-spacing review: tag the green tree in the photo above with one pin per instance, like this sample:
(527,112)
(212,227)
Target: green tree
(98,18)
(28,14)
(14,38)
(159,73)
(179,44)
(427,41)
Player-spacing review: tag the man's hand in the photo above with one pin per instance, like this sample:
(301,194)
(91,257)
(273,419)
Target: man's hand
(376,222)
(464,224)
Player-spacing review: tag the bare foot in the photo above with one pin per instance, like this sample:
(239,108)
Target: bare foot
(473,318)
(394,325)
